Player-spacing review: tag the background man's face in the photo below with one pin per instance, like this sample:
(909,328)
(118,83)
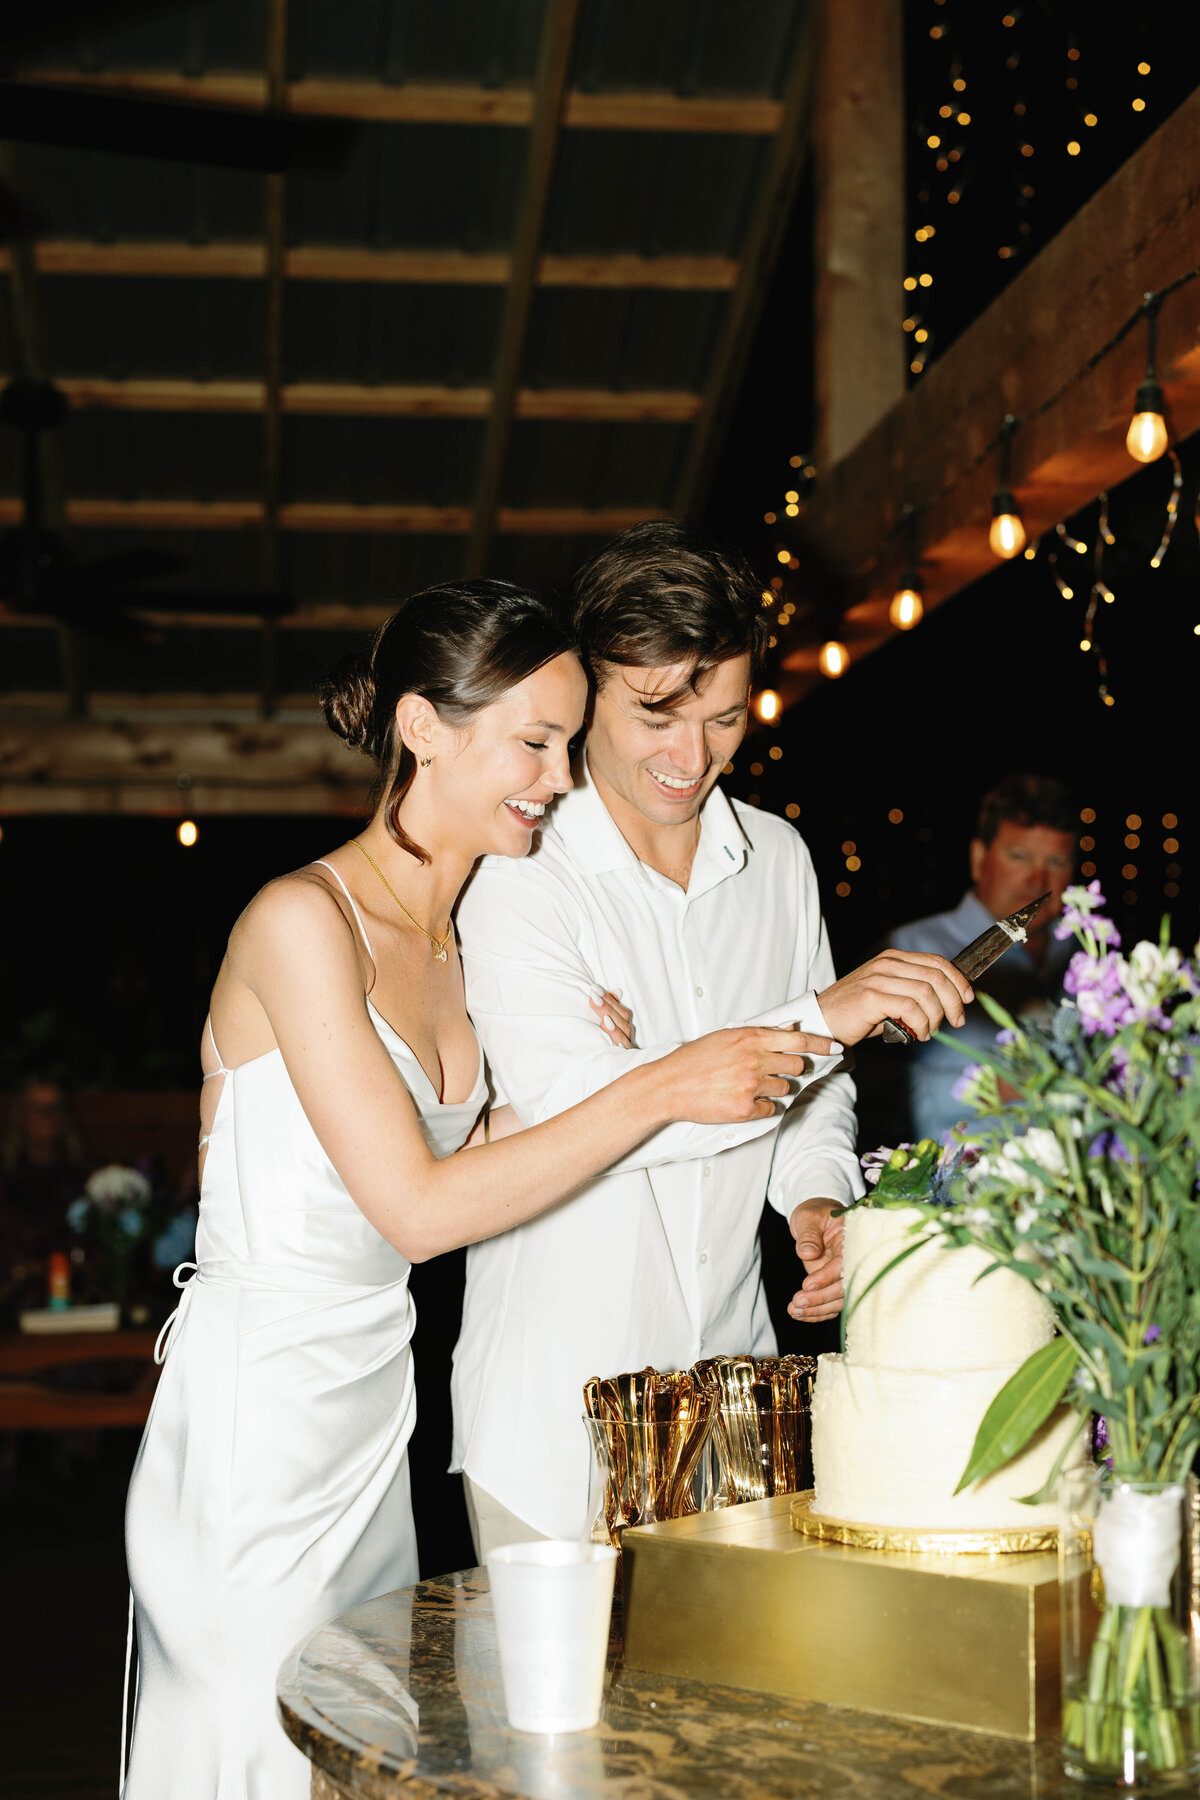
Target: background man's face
(1021,862)
(664,763)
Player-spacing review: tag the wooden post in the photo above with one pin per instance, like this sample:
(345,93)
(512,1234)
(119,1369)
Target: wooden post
(860,221)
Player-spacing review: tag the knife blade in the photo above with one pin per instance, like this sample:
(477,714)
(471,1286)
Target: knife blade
(978,956)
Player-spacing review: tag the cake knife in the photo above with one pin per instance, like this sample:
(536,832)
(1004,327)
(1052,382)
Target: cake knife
(978,956)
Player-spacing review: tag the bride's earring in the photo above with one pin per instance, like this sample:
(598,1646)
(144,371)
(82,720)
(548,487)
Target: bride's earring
(425,761)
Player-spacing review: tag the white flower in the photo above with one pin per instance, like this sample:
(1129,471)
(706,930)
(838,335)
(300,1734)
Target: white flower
(1008,1164)
(1147,971)
(1026,1216)
(115,1186)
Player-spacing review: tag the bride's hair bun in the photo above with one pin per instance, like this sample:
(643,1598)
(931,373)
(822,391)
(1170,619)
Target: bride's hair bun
(347,699)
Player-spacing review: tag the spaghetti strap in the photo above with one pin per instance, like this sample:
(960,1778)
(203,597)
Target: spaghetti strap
(220,1068)
(322,864)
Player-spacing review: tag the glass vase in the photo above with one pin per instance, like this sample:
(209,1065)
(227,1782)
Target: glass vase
(1129,1573)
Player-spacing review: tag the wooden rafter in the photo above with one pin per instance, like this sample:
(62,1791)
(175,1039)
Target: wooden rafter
(1136,235)
(184,514)
(320,262)
(459,103)
(858,142)
(383,400)
(763,233)
(179,762)
(559,23)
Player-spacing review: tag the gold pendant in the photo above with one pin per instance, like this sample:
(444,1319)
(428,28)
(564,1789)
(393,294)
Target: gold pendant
(439,955)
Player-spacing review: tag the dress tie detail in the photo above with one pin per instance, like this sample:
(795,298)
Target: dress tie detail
(162,1342)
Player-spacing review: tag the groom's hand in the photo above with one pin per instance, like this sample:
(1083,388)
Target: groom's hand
(818,1237)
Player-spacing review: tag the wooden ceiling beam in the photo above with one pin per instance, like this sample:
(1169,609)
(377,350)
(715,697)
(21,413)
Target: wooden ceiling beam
(104,514)
(764,232)
(383,400)
(332,262)
(430,103)
(1136,235)
(321,615)
(179,765)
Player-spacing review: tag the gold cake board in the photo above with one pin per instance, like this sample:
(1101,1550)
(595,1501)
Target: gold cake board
(1014,1540)
(740,1598)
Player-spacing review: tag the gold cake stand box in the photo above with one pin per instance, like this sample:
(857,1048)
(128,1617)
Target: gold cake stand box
(742,1598)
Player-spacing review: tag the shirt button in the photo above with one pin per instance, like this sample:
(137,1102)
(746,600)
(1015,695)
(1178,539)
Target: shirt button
(704,1256)
(699,993)
(706,1171)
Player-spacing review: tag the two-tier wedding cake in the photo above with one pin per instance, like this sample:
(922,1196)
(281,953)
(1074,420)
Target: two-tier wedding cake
(929,1347)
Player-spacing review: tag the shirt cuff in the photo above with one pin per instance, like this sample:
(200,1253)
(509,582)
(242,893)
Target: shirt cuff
(804,1012)
(821,1178)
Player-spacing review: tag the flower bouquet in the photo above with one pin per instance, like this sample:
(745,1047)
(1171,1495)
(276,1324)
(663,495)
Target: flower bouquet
(131,1232)
(1086,1186)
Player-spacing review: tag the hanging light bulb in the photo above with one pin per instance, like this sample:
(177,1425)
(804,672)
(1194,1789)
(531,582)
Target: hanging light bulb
(834,659)
(768,706)
(1007,533)
(907,608)
(1147,436)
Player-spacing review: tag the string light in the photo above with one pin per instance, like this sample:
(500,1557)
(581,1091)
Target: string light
(1147,436)
(834,659)
(1007,533)
(908,607)
(768,705)
(1072,543)
(1172,512)
(187,832)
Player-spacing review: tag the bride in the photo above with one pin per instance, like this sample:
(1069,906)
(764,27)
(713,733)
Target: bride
(341,1071)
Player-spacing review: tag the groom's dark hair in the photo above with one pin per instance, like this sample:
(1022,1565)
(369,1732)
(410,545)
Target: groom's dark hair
(658,595)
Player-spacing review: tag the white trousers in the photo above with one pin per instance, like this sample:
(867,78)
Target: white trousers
(492,1524)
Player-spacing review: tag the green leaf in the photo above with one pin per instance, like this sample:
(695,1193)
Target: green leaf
(1023,1404)
(1046,1491)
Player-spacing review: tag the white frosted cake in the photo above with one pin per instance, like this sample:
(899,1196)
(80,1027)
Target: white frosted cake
(894,1418)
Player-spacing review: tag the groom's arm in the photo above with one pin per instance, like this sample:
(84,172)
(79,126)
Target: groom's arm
(528,985)
(814,1164)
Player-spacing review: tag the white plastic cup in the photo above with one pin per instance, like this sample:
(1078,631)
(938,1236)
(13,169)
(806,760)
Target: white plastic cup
(552,1603)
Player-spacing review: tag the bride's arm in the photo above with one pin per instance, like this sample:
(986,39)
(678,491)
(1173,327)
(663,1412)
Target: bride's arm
(294,951)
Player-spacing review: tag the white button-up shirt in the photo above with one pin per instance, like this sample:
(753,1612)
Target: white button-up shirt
(656,1261)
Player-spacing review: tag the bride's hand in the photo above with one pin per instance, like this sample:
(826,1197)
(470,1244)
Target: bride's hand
(729,1077)
(616,1021)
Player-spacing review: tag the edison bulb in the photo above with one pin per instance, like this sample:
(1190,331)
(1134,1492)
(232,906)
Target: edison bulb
(1007,534)
(907,608)
(187,832)
(766,705)
(1147,437)
(834,659)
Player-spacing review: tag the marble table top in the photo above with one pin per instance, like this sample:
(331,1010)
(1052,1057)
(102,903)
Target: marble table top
(405,1692)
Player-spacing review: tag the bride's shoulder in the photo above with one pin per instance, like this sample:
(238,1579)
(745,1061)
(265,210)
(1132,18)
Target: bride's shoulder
(298,912)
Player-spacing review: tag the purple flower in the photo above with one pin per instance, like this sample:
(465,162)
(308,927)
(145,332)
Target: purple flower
(1110,1145)
(963,1088)
(1153,1333)
(1082,912)
(1100,996)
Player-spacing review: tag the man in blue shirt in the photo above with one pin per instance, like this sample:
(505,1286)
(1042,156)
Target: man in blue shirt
(1024,845)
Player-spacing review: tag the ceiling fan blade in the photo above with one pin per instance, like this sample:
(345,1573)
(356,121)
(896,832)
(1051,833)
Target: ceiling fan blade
(227,137)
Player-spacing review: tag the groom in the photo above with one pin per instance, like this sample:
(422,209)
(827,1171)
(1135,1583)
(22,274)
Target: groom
(702,913)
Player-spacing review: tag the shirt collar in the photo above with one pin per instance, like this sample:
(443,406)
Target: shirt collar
(586,826)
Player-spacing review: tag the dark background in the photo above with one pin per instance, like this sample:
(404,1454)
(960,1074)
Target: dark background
(113,931)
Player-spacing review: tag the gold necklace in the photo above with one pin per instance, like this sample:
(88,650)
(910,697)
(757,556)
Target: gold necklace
(438,944)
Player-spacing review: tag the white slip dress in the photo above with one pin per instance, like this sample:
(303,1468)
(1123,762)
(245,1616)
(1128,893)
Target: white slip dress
(271,1490)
